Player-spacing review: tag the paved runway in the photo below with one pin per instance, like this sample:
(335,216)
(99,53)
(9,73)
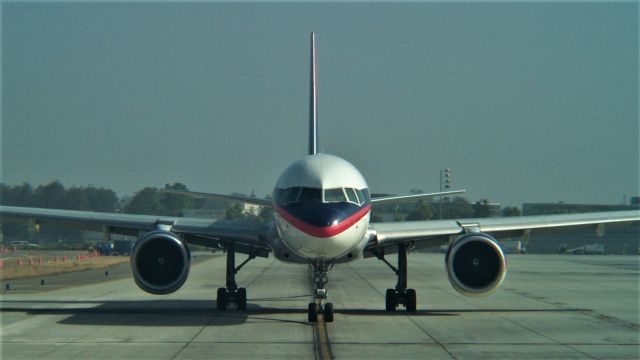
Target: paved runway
(550,306)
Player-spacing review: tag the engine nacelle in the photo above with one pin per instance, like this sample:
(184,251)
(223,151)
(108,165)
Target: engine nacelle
(160,262)
(475,264)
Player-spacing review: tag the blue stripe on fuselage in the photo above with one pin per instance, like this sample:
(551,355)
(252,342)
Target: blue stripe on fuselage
(322,214)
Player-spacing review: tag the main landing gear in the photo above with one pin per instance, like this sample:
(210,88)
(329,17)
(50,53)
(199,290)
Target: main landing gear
(232,296)
(320,269)
(400,295)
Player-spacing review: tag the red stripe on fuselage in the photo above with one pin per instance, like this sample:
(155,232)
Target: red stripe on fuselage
(323,231)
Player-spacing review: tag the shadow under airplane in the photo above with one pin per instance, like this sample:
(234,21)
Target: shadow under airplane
(197,312)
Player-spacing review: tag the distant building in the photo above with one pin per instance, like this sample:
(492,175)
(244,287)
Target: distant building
(250,208)
(495,209)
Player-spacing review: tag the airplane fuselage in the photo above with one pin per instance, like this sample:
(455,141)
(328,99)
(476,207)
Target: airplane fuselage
(322,207)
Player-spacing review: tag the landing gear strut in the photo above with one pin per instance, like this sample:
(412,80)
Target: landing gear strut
(400,295)
(320,269)
(232,296)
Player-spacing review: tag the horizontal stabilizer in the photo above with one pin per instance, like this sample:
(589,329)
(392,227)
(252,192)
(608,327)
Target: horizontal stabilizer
(203,195)
(414,197)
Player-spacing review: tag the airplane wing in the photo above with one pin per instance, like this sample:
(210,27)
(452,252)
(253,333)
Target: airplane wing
(204,232)
(438,232)
(384,199)
(205,195)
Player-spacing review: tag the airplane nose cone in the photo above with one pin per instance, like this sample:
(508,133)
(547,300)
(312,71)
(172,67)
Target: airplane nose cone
(323,216)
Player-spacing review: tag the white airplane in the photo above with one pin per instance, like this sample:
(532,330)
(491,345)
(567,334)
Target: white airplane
(321,207)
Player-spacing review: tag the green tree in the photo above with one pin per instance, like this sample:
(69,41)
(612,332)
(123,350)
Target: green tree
(420,212)
(481,209)
(457,208)
(101,199)
(75,198)
(146,202)
(54,196)
(174,204)
(265,214)
(511,211)
(17,195)
(234,212)
(50,195)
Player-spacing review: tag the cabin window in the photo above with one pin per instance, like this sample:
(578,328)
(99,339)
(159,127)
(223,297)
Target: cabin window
(334,195)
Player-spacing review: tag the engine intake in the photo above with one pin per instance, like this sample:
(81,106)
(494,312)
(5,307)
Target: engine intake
(160,262)
(475,264)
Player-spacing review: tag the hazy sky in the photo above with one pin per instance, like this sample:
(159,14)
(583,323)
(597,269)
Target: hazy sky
(526,102)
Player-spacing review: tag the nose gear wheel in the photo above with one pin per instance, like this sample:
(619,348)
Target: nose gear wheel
(320,279)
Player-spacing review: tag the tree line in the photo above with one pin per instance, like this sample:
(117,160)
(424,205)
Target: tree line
(54,196)
(455,208)
(147,201)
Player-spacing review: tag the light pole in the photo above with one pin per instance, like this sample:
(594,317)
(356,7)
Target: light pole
(445,184)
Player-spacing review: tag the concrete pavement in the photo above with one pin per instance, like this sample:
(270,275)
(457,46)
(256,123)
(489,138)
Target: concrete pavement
(550,306)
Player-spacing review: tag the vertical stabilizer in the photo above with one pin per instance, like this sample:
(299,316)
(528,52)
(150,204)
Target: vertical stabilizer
(313,101)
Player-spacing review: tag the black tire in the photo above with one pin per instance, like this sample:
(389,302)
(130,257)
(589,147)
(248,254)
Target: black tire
(242,299)
(410,299)
(312,314)
(328,312)
(221,300)
(390,300)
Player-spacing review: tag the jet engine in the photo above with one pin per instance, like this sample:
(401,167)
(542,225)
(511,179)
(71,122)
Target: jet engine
(160,262)
(475,264)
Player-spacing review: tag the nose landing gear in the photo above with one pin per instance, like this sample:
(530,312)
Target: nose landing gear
(319,306)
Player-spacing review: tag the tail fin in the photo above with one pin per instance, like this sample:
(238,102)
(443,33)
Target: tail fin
(313,101)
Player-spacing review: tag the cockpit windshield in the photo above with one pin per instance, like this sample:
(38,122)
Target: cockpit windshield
(298,194)
(351,195)
(310,195)
(315,195)
(334,195)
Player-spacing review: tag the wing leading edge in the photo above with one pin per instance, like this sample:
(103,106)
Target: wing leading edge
(385,234)
(205,195)
(414,197)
